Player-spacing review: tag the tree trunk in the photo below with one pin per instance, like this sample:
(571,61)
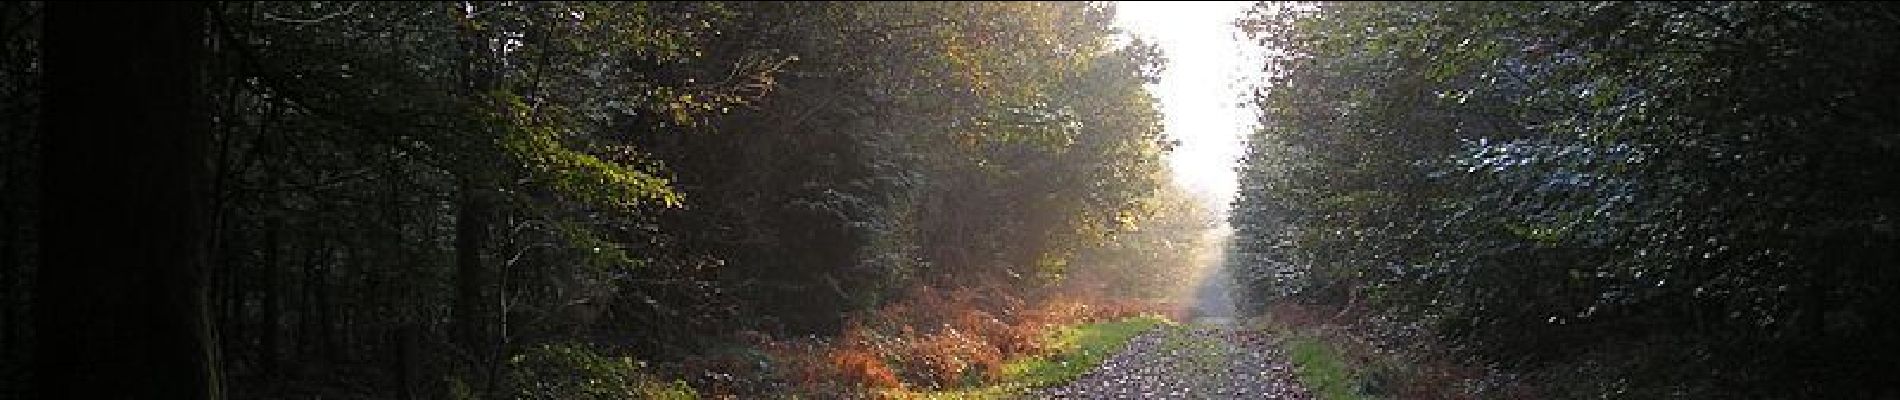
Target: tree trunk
(121,304)
(272,329)
(17,159)
(408,364)
(470,233)
(471,223)
(10,269)
(314,338)
(226,299)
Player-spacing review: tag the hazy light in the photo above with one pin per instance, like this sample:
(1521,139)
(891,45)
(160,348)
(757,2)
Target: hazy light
(1200,91)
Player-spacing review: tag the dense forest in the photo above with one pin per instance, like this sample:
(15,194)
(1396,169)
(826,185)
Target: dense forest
(613,200)
(1613,199)
(558,199)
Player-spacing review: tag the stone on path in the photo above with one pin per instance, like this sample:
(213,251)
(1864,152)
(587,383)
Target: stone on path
(1197,362)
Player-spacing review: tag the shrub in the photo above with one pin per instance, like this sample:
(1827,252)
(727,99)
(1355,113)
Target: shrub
(935,338)
(572,371)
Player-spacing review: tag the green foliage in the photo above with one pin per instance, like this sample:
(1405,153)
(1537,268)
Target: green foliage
(1536,181)
(1322,369)
(585,177)
(1157,255)
(441,182)
(1074,351)
(920,155)
(1077,350)
(567,371)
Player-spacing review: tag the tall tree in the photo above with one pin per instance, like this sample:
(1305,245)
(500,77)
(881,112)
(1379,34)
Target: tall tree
(121,295)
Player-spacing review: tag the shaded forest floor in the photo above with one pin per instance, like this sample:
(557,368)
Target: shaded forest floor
(1347,353)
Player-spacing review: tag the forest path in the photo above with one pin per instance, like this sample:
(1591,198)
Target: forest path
(1210,358)
(1203,360)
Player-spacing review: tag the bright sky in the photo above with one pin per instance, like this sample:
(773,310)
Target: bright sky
(1199,91)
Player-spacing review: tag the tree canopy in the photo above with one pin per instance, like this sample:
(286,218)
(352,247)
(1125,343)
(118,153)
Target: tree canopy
(465,199)
(1684,199)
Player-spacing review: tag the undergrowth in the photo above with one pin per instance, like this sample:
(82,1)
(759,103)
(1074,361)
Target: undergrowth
(574,371)
(1071,352)
(1322,369)
(1340,355)
(977,341)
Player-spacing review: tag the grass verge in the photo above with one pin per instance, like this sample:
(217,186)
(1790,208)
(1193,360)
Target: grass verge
(1074,351)
(1322,368)
(1335,357)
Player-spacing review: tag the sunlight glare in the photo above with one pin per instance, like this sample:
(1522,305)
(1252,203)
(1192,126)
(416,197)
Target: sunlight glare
(1200,91)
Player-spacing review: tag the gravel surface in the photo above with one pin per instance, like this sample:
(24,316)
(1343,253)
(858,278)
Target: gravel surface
(1190,362)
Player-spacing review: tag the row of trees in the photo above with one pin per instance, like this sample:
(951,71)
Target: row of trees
(397,199)
(1637,199)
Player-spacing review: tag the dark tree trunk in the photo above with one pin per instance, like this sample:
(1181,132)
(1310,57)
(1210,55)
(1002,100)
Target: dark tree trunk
(471,230)
(408,365)
(121,305)
(272,328)
(325,309)
(314,338)
(471,222)
(306,299)
(18,156)
(10,269)
(227,299)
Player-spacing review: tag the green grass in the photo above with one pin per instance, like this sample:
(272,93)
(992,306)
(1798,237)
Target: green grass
(1075,351)
(1322,369)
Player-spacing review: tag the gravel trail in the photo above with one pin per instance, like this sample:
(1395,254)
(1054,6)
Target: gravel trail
(1199,361)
